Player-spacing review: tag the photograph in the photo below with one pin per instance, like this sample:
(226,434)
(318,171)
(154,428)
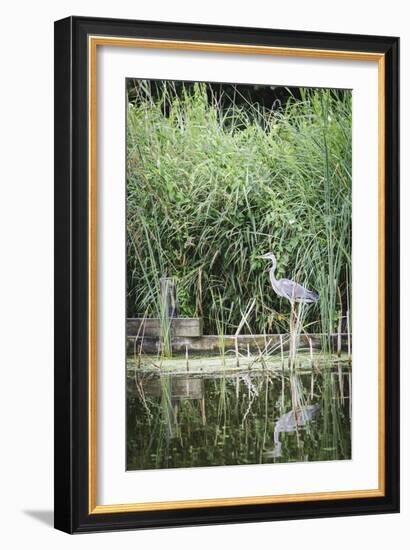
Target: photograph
(238,274)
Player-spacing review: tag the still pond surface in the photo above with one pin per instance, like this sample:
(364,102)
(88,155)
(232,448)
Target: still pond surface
(181,420)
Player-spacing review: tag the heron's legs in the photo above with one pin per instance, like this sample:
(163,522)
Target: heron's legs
(293,329)
(292,339)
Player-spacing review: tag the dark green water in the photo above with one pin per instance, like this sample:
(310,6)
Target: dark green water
(180,421)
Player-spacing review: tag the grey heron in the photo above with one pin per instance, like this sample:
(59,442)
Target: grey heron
(286,288)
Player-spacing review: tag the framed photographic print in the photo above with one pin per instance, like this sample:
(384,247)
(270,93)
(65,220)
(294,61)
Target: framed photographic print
(226,274)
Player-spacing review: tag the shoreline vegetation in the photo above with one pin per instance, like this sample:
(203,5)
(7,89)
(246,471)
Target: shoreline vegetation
(220,369)
(209,189)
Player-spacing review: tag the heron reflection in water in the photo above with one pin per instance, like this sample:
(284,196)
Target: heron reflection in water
(291,422)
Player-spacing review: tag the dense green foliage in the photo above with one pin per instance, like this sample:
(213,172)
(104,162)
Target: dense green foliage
(209,189)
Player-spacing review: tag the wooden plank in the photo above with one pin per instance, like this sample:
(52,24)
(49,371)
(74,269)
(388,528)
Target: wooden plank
(151,327)
(213,344)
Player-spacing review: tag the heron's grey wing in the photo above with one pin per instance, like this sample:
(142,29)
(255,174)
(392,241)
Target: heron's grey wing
(297,292)
(289,288)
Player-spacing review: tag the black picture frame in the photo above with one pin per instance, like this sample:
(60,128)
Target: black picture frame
(71,492)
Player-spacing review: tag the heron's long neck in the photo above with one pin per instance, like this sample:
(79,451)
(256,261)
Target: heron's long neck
(272,272)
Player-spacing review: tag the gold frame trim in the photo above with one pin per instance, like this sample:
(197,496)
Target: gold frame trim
(93,42)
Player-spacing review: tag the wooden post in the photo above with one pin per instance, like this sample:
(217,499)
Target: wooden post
(236,351)
(169,297)
(203,413)
(341,387)
(168,311)
(339,335)
(311,350)
(282,393)
(282,355)
(339,324)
